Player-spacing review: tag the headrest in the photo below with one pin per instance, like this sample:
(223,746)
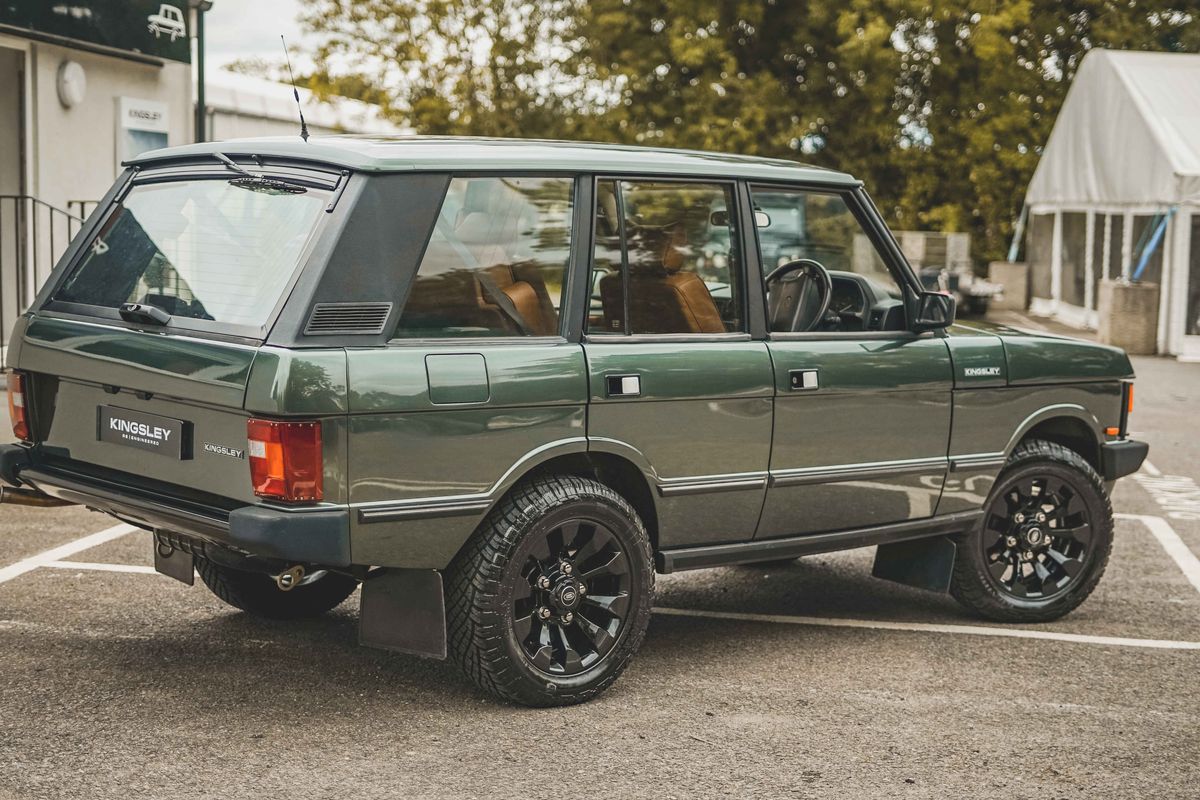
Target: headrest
(662,249)
(673,249)
(606,206)
(475,227)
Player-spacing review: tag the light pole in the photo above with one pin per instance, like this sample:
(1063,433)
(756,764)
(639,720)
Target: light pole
(200,6)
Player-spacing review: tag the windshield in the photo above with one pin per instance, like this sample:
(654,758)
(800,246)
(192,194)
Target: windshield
(204,249)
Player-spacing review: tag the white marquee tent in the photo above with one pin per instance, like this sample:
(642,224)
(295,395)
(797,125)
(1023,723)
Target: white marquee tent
(1118,188)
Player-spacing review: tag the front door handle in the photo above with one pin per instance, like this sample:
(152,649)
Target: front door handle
(803,380)
(623,385)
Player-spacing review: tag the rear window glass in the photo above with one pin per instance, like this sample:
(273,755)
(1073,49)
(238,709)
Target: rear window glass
(496,260)
(205,249)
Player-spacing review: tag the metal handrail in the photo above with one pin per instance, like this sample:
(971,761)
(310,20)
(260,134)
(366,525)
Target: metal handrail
(33,236)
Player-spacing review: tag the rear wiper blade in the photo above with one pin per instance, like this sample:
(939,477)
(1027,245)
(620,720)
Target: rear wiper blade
(275,184)
(143,313)
(233,165)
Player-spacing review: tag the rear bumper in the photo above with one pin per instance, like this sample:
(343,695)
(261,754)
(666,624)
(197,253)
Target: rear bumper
(1121,458)
(311,535)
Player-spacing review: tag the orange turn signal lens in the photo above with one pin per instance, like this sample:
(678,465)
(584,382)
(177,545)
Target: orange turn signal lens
(1112,431)
(1129,399)
(17,411)
(286,462)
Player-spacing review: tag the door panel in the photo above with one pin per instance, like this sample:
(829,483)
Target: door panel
(701,420)
(867,445)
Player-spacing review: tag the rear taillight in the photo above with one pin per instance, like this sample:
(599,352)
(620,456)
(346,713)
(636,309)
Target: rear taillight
(285,459)
(17,412)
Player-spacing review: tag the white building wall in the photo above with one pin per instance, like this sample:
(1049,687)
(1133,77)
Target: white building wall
(74,150)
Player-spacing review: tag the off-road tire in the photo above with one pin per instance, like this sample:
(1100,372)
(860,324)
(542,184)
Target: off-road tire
(970,584)
(256,592)
(480,587)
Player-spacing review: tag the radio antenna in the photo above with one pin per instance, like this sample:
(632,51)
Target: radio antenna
(295,91)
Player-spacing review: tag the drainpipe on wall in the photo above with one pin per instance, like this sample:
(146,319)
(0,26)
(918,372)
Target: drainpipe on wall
(201,118)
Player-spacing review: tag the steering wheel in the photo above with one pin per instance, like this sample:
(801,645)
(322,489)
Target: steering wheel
(798,295)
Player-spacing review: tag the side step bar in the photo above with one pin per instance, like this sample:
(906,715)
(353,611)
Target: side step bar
(720,555)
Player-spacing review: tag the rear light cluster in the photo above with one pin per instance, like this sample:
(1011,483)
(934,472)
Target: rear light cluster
(285,459)
(17,411)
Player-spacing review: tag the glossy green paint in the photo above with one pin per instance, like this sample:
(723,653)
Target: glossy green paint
(405,449)
(879,400)
(382,153)
(978,358)
(457,378)
(993,421)
(199,370)
(704,410)
(1048,359)
(13,354)
(70,433)
(307,383)
(1040,358)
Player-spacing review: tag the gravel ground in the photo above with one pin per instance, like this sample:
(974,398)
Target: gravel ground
(120,685)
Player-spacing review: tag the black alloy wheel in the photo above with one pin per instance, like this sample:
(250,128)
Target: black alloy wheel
(1037,537)
(570,610)
(1044,540)
(550,599)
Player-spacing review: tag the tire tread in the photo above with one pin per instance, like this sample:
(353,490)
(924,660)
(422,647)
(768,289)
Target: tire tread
(475,636)
(972,589)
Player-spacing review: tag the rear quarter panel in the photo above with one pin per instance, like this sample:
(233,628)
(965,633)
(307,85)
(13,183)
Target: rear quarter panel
(409,454)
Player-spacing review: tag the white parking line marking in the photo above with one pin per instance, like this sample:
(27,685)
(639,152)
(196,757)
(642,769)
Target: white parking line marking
(1170,541)
(63,551)
(1151,470)
(927,627)
(102,567)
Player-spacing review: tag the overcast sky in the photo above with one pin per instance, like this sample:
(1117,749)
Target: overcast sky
(249,28)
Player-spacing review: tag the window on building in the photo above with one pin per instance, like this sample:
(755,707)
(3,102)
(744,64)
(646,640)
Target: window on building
(496,260)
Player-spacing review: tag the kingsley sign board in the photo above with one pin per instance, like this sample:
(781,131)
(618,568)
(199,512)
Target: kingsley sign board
(137,26)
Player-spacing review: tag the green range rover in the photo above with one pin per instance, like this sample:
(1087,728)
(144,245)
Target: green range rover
(501,384)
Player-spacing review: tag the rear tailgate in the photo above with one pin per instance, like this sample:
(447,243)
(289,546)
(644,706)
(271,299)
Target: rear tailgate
(165,409)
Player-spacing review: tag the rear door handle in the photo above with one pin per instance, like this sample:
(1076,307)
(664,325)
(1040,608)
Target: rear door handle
(622,385)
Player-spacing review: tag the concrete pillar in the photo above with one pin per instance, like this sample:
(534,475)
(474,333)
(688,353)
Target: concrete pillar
(1129,316)
(1127,245)
(1056,261)
(1014,277)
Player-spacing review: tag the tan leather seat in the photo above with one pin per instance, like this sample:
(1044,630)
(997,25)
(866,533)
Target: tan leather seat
(491,237)
(662,297)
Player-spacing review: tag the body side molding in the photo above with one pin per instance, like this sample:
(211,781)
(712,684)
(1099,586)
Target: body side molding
(684,558)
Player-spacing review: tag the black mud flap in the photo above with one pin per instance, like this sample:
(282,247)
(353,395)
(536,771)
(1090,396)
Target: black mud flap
(923,563)
(173,563)
(404,610)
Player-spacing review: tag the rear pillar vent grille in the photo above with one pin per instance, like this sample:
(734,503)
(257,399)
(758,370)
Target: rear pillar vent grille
(353,318)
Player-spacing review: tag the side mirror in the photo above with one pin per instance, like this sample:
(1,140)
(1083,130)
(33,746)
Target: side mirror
(934,311)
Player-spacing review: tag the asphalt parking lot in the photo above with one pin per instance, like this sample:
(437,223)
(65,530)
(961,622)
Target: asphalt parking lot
(808,680)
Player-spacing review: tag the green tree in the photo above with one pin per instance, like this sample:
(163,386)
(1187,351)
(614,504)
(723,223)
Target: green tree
(942,108)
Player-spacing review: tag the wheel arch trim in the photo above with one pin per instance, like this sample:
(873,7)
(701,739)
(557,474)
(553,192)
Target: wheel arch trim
(1072,411)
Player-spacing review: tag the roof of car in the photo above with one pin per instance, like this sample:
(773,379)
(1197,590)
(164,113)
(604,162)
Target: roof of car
(402,153)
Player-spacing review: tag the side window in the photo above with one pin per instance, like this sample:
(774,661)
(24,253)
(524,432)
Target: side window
(794,224)
(496,261)
(665,259)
